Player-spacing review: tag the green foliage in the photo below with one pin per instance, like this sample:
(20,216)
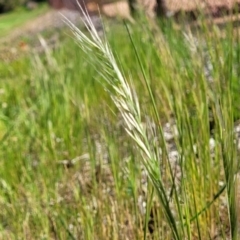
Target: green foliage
(10,4)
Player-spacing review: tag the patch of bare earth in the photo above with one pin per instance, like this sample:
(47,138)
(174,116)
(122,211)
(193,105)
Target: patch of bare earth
(14,45)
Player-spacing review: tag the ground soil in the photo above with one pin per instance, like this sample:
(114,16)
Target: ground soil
(26,38)
(51,19)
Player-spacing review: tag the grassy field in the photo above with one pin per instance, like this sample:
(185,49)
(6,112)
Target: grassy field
(13,20)
(70,170)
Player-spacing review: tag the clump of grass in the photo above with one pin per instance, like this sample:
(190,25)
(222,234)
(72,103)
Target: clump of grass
(191,210)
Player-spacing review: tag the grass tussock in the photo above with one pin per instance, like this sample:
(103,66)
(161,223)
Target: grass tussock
(130,135)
